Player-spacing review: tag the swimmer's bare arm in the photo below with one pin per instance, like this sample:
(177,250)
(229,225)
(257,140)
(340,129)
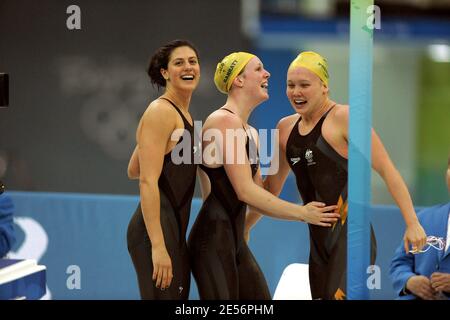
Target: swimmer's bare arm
(278,172)
(240,176)
(205,184)
(414,235)
(133,165)
(156,127)
(382,164)
(253,215)
(280,167)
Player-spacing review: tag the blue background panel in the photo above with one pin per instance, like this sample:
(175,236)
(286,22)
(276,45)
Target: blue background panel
(89,231)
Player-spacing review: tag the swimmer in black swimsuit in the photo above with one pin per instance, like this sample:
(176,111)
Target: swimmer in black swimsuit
(222,264)
(157,231)
(314,145)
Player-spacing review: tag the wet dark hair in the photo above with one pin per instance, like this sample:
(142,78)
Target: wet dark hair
(160,59)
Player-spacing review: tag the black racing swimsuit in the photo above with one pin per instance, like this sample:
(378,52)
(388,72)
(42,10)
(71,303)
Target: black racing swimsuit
(222,264)
(176,187)
(321,175)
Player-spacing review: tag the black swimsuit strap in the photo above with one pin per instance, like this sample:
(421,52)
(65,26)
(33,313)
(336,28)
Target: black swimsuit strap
(243,127)
(322,119)
(323,116)
(227,110)
(178,110)
(326,113)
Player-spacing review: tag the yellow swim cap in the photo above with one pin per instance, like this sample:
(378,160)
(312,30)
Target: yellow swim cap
(228,69)
(313,62)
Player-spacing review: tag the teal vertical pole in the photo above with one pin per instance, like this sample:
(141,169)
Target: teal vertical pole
(360,95)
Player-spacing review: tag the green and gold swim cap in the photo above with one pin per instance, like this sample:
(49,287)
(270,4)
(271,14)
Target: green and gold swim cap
(228,69)
(313,62)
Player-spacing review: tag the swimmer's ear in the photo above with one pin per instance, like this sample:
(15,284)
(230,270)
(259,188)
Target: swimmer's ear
(325,88)
(164,73)
(238,81)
